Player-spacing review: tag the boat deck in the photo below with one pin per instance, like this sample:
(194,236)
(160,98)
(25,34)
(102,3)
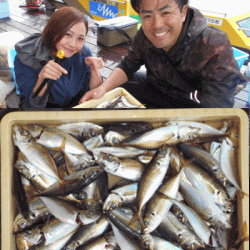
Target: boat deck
(28,22)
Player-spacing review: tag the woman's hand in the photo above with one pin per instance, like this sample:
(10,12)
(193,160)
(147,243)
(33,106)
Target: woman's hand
(96,93)
(95,64)
(51,70)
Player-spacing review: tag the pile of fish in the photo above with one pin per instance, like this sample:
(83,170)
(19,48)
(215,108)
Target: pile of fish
(125,185)
(119,102)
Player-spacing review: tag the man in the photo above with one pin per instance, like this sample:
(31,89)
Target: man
(189,64)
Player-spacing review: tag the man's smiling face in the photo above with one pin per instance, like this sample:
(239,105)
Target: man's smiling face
(162,22)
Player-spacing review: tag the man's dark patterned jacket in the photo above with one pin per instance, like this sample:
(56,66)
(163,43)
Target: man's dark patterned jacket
(203,57)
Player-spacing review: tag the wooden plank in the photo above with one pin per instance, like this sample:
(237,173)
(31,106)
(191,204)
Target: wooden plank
(36,26)
(243,95)
(12,24)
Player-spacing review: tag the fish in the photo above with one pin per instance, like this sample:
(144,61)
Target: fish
(121,196)
(209,185)
(74,182)
(125,168)
(75,163)
(40,179)
(198,225)
(68,212)
(161,244)
(113,138)
(55,230)
(82,131)
(205,160)
(157,208)
(206,133)
(120,218)
(39,214)
(36,154)
(94,142)
(228,161)
(124,242)
(88,232)
(56,139)
(55,245)
(20,194)
(204,206)
(121,152)
(169,135)
(174,231)
(22,243)
(151,179)
(107,242)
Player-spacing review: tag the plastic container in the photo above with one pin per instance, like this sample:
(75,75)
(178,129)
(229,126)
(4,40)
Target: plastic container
(11,57)
(214,117)
(4,9)
(116,31)
(110,96)
(240,56)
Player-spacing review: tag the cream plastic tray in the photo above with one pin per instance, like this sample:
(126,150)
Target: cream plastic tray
(210,116)
(110,96)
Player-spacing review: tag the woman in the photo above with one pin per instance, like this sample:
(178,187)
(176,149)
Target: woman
(35,61)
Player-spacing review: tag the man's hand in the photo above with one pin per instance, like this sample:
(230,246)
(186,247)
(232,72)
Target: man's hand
(96,93)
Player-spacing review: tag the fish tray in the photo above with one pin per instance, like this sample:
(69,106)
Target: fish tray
(212,117)
(110,96)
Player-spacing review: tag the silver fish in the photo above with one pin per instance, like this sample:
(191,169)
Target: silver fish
(40,179)
(94,142)
(107,242)
(205,160)
(73,183)
(204,206)
(56,229)
(173,230)
(113,138)
(126,168)
(199,226)
(205,131)
(124,241)
(228,161)
(121,152)
(152,178)
(36,154)
(203,181)
(57,244)
(82,130)
(121,196)
(54,138)
(38,213)
(69,213)
(121,218)
(87,233)
(161,244)
(157,208)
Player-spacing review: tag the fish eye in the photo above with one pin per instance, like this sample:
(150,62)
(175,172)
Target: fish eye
(110,157)
(22,224)
(82,195)
(219,192)
(146,244)
(115,141)
(113,206)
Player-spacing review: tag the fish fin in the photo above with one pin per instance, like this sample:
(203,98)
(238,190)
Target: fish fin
(161,195)
(135,218)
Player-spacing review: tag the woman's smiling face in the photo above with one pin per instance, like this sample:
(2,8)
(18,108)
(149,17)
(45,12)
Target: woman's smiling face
(73,41)
(162,22)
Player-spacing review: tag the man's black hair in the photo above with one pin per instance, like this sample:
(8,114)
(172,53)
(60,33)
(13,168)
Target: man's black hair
(136,4)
